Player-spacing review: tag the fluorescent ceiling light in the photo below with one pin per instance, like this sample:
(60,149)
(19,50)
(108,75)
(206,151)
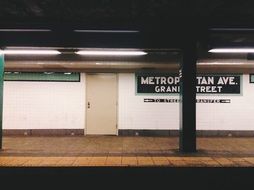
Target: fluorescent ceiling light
(111,53)
(232,50)
(31,52)
(220,63)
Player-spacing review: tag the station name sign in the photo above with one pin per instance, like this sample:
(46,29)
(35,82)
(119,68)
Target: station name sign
(164,83)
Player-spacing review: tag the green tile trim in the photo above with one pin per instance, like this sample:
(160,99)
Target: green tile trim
(251,78)
(42,76)
(1,96)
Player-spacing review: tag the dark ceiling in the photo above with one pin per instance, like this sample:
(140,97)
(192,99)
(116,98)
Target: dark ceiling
(126,13)
(174,18)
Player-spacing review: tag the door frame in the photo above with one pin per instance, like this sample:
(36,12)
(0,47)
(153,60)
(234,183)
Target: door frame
(117,101)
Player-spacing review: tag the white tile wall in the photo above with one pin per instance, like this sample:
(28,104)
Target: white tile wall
(61,105)
(44,105)
(237,115)
(135,114)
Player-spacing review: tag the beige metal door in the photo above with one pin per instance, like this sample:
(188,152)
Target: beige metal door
(101,102)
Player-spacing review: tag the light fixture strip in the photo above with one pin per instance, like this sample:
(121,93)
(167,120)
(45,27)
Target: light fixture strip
(232,50)
(31,52)
(111,53)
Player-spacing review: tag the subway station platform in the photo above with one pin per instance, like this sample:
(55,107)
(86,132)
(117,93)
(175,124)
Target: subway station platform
(124,151)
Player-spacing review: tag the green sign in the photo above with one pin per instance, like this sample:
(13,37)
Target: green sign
(42,76)
(251,78)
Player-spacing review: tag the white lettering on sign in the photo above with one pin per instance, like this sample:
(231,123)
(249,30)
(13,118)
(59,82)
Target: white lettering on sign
(160,80)
(231,81)
(213,89)
(165,100)
(223,84)
(203,80)
(151,80)
(144,80)
(167,89)
(163,80)
(226,80)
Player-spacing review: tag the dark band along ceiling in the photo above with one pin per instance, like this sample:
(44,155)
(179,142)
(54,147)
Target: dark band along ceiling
(128,13)
(168,16)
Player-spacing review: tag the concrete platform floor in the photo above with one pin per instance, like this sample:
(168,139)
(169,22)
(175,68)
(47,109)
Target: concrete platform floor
(125,151)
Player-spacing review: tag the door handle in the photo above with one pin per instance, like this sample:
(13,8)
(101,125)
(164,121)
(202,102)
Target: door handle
(88,105)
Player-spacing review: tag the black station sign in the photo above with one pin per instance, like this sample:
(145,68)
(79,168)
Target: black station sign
(174,100)
(161,83)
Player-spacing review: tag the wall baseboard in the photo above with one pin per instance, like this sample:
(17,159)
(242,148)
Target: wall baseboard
(126,132)
(174,133)
(43,132)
